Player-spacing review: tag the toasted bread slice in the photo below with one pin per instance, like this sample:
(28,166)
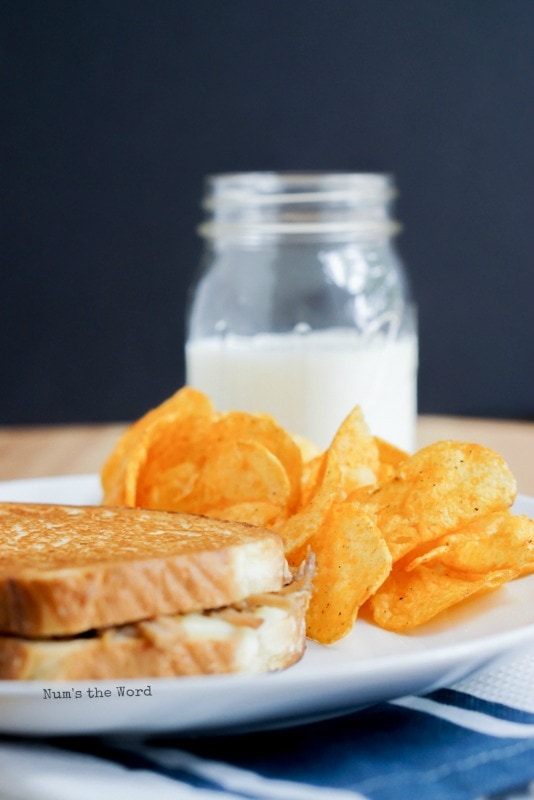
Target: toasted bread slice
(266,632)
(68,569)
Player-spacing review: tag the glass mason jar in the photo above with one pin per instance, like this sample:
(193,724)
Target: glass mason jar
(301,307)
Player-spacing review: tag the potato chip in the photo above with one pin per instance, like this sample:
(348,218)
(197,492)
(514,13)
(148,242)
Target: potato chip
(238,472)
(171,443)
(126,486)
(439,489)
(311,474)
(352,561)
(133,446)
(308,449)
(174,484)
(300,527)
(356,452)
(499,541)
(185,401)
(263,429)
(264,514)
(390,458)
(408,599)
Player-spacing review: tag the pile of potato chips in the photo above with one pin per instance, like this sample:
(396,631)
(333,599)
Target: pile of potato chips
(398,537)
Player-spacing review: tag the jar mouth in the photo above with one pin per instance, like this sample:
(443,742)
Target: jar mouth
(243,188)
(285,203)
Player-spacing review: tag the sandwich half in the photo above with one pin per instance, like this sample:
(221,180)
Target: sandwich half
(92,592)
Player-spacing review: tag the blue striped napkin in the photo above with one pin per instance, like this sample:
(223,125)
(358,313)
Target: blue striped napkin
(471,741)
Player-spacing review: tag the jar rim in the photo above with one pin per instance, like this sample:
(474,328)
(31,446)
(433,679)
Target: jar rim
(258,204)
(269,188)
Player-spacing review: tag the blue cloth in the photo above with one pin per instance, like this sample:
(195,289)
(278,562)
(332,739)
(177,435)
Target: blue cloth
(472,740)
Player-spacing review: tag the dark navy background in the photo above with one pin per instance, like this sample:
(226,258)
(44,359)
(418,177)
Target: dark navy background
(115,110)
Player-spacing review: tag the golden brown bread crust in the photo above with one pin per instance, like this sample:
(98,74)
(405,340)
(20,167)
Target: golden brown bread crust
(264,633)
(68,569)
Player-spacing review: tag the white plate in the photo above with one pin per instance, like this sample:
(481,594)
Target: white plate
(368,666)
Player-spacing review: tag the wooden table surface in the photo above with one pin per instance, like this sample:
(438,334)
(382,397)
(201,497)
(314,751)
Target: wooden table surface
(39,451)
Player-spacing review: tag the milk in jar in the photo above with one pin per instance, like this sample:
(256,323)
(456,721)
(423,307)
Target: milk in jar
(302,307)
